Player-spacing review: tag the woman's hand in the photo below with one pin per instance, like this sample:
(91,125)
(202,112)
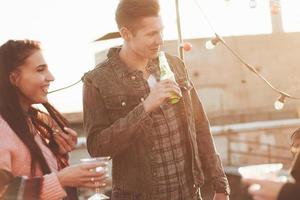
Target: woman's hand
(66,142)
(83,175)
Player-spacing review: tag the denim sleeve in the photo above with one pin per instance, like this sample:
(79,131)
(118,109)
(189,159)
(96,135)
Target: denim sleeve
(105,138)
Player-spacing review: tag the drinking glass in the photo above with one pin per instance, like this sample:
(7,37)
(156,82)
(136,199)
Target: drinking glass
(263,171)
(98,195)
(269,172)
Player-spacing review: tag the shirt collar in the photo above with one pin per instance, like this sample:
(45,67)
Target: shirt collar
(122,70)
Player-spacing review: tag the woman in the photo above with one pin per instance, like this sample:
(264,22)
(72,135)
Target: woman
(274,190)
(34,145)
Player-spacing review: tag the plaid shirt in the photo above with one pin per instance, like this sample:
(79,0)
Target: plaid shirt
(173,179)
(170,165)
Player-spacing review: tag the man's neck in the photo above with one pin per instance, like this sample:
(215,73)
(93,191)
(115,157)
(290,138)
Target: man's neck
(133,61)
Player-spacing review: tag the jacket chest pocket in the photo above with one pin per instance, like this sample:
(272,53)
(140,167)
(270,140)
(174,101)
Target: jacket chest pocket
(119,105)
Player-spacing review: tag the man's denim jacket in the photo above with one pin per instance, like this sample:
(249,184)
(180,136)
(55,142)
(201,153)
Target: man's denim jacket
(117,125)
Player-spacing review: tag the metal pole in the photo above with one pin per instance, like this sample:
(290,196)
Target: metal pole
(269,153)
(229,163)
(180,41)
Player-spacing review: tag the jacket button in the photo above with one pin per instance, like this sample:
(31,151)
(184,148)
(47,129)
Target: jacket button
(142,99)
(133,78)
(123,104)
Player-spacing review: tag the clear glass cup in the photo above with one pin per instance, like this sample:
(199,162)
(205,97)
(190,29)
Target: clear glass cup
(98,195)
(263,171)
(270,172)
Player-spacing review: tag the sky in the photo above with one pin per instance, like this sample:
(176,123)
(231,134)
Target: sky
(67,29)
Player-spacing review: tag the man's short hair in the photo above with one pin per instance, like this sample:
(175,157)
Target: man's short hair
(129,12)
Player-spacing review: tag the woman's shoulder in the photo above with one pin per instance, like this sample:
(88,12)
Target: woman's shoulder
(5,130)
(3,124)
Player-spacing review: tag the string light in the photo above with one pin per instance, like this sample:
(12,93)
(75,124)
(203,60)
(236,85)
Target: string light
(279,104)
(275,7)
(211,44)
(227,2)
(252,3)
(186,46)
(71,85)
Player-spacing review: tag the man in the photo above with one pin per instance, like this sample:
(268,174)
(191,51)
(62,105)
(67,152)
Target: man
(159,150)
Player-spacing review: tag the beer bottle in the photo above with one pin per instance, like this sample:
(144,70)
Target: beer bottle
(166,73)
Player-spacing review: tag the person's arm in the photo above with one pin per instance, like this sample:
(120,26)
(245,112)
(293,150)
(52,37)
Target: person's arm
(105,138)
(78,175)
(290,191)
(211,162)
(19,187)
(51,188)
(46,187)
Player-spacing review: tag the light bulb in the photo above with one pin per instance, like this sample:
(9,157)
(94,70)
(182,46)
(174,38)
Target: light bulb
(213,42)
(275,7)
(278,105)
(252,4)
(187,46)
(227,2)
(209,44)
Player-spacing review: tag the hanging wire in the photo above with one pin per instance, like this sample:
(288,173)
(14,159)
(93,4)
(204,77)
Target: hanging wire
(65,87)
(205,17)
(251,68)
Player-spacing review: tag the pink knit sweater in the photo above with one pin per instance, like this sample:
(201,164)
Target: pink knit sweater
(15,158)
